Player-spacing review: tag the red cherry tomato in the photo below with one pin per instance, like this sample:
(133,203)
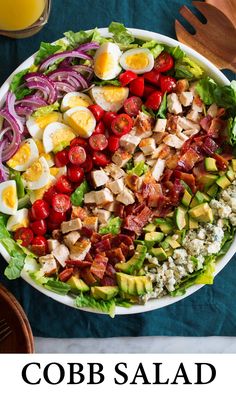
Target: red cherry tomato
(98,142)
(77,155)
(61,203)
(47,196)
(39,209)
(108,118)
(100,159)
(39,227)
(25,235)
(154,100)
(122,124)
(79,142)
(126,77)
(113,143)
(167,83)
(61,158)
(75,174)
(164,62)
(148,90)
(133,105)
(97,111)
(136,87)
(100,128)
(63,185)
(55,218)
(152,77)
(88,164)
(39,246)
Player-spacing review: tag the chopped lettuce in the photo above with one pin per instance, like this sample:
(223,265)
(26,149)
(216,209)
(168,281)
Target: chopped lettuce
(176,52)
(82,37)
(4,234)
(120,34)
(113,226)
(148,111)
(163,108)
(154,47)
(77,197)
(15,175)
(57,286)
(45,50)
(205,88)
(231,129)
(187,68)
(44,110)
(17,86)
(113,82)
(17,260)
(139,169)
(107,307)
(207,276)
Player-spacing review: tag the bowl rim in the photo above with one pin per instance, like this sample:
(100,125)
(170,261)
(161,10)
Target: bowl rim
(152,304)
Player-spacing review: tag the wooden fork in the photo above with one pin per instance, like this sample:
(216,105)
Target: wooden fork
(216,40)
(5,330)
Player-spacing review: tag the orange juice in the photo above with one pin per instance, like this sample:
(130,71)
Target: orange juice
(19,14)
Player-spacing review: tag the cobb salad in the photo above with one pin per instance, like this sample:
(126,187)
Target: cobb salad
(118,170)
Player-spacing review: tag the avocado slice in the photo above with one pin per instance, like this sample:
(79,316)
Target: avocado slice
(105,293)
(172,242)
(134,285)
(135,263)
(223,182)
(77,285)
(159,253)
(180,217)
(213,190)
(207,180)
(210,164)
(202,213)
(233,162)
(198,198)
(153,237)
(193,224)
(230,174)
(186,198)
(149,227)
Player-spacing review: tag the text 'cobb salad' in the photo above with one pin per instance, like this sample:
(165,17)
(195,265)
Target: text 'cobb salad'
(118,170)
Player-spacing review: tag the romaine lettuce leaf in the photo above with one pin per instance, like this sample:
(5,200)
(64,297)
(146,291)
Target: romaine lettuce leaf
(113,82)
(78,195)
(16,263)
(176,52)
(57,286)
(46,49)
(44,110)
(206,88)
(113,226)
(15,175)
(82,37)
(207,276)
(163,107)
(4,234)
(17,87)
(187,68)
(120,34)
(139,169)
(154,47)
(107,307)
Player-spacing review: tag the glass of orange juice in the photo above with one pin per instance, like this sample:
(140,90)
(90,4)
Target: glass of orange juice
(23,18)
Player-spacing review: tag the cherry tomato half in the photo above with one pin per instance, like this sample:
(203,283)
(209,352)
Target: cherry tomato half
(98,142)
(47,196)
(55,218)
(88,164)
(61,158)
(100,128)
(79,142)
(126,77)
(75,174)
(61,203)
(25,235)
(77,155)
(152,77)
(164,62)
(39,227)
(100,159)
(113,143)
(133,105)
(97,111)
(39,210)
(122,124)
(167,83)
(108,118)
(63,185)
(154,100)
(148,90)
(136,87)
(39,246)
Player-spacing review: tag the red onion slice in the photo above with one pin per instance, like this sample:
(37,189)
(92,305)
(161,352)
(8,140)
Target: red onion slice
(62,55)
(34,80)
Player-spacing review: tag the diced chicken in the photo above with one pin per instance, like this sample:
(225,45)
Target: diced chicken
(143,123)
(61,253)
(158,169)
(72,225)
(103,215)
(194,116)
(148,146)
(90,197)
(186,98)
(173,104)
(91,222)
(49,265)
(187,124)
(56,234)
(104,196)
(52,244)
(114,171)
(160,125)
(212,110)
(151,162)
(80,249)
(111,206)
(158,150)
(116,186)
(182,136)
(173,141)
(126,197)
(71,238)
(138,157)
(159,136)
(78,212)
(190,133)
(121,157)
(129,142)
(99,178)
(133,182)
(181,85)
(197,104)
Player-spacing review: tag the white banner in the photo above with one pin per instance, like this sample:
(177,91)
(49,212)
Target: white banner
(120,372)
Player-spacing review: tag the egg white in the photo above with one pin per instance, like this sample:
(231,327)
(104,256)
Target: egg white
(75,98)
(42,179)
(51,131)
(36,125)
(82,129)
(139,53)
(8,190)
(22,160)
(18,220)
(106,61)
(110,98)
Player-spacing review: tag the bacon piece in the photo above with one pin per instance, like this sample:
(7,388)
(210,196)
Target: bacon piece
(209,146)
(87,276)
(108,281)
(174,191)
(110,270)
(135,223)
(206,122)
(171,125)
(221,162)
(66,274)
(103,245)
(99,265)
(217,125)
(79,264)
(188,178)
(95,238)
(115,255)
(188,160)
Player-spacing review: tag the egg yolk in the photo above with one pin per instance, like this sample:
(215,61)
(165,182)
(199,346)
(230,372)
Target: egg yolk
(62,137)
(43,121)
(81,121)
(39,146)
(103,64)
(34,172)
(54,171)
(9,196)
(78,101)
(113,94)
(21,156)
(137,61)
(24,223)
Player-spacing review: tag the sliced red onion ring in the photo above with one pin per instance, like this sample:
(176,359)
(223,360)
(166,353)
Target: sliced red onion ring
(24,110)
(10,148)
(41,82)
(88,46)
(10,107)
(16,127)
(33,101)
(65,87)
(3,170)
(84,69)
(62,55)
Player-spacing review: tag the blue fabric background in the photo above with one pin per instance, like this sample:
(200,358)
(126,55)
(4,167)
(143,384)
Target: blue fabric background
(211,310)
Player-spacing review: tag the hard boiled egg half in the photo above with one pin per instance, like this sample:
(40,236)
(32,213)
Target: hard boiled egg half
(37,176)
(81,120)
(138,60)
(55,173)
(110,98)
(36,125)
(106,61)
(25,155)
(75,98)
(19,220)
(8,197)
(57,136)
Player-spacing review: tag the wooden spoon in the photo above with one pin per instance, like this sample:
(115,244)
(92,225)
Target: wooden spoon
(228,7)
(216,40)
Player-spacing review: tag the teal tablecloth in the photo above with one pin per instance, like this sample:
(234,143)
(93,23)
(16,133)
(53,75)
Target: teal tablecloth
(210,311)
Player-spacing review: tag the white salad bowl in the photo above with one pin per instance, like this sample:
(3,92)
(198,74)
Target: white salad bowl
(152,304)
